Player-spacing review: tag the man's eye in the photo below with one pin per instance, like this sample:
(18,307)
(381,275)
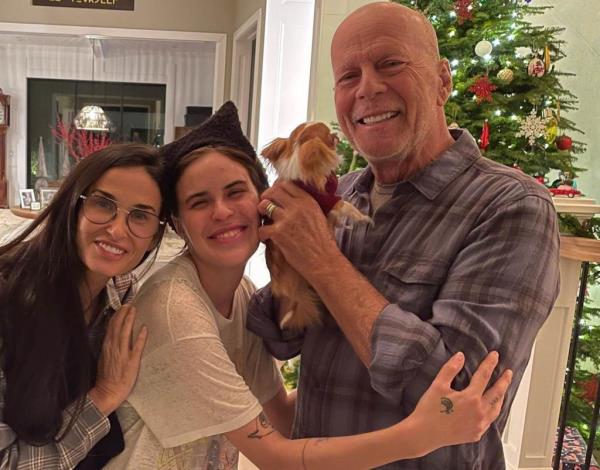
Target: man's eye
(347,78)
(391,64)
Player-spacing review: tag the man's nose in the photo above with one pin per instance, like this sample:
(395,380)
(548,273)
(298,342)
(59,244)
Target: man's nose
(371,83)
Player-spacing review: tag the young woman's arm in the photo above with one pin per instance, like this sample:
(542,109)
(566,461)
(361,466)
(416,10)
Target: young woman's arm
(117,371)
(280,411)
(442,417)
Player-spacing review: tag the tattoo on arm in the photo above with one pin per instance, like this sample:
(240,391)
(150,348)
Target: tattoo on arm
(263,427)
(447,405)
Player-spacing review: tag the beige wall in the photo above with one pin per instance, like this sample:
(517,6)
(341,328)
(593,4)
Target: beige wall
(244,9)
(209,16)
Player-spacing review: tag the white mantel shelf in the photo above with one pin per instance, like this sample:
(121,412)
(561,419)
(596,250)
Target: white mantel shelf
(580,207)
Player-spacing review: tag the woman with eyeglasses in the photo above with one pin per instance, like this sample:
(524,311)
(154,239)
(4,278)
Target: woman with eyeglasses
(68,359)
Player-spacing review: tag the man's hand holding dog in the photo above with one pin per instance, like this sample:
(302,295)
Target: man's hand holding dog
(299,228)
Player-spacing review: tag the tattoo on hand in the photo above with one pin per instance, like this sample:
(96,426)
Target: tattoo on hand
(447,405)
(263,427)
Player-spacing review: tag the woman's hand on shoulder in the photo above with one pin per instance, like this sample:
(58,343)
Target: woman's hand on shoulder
(445,417)
(119,362)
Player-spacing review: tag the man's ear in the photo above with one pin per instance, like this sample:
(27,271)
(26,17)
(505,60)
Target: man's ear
(273,151)
(445,77)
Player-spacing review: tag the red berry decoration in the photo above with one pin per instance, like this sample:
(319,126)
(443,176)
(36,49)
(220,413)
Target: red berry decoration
(564,142)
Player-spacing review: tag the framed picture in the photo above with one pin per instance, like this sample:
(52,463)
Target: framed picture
(26,197)
(46,196)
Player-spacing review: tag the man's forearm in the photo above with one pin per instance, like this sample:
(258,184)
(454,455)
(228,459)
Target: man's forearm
(351,299)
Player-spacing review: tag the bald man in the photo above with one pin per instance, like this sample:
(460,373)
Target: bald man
(462,255)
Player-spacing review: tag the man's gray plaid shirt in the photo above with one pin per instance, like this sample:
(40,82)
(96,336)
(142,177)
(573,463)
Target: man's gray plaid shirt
(466,252)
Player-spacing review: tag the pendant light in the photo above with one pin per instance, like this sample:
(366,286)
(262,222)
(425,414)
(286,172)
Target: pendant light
(92,117)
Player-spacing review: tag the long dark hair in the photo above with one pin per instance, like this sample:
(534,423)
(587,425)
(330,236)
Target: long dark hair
(44,346)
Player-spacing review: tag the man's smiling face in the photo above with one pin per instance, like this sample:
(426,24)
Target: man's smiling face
(386,86)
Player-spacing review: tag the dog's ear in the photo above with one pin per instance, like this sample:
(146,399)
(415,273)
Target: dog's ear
(317,161)
(275,149)
(313,151)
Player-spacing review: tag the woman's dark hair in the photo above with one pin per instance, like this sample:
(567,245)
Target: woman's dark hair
(251,164)
(44,344)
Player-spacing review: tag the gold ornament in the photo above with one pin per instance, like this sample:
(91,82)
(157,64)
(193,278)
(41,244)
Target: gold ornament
(454,125)
(551,130)
(547,62)
(506,76)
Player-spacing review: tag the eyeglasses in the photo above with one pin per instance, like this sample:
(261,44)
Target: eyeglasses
(101,210)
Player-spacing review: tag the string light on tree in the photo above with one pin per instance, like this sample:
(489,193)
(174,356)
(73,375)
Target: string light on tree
(496,39)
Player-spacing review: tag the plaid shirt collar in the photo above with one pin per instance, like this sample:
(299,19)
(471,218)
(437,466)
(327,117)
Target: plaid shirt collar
(435,177)
(120,290)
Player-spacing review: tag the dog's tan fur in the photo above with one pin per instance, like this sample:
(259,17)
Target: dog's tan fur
(308,155)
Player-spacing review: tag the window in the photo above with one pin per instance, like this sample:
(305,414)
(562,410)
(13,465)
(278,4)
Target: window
(136,112)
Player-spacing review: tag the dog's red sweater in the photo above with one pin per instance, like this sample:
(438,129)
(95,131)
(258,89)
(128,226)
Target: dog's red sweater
(326,199)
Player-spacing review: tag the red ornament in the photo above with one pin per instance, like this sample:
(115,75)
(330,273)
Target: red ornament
(463,10)
(484,140)
(483,89)
(564,142)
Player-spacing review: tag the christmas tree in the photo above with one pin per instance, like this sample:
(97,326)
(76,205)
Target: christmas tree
(507,89)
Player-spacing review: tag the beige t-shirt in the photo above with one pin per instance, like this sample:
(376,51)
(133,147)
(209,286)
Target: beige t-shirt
(201,375)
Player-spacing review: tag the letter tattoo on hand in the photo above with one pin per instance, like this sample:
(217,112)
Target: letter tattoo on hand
(447,405)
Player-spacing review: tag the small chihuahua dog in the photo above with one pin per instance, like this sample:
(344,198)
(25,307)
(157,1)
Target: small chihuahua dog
(308,158)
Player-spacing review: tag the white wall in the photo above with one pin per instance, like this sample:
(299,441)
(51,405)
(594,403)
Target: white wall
(582,49)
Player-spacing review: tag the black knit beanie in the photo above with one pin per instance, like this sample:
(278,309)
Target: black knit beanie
(223,128)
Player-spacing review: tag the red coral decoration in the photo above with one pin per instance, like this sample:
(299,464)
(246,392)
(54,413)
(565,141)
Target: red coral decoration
(463,10)
(483,89)
(80,143)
